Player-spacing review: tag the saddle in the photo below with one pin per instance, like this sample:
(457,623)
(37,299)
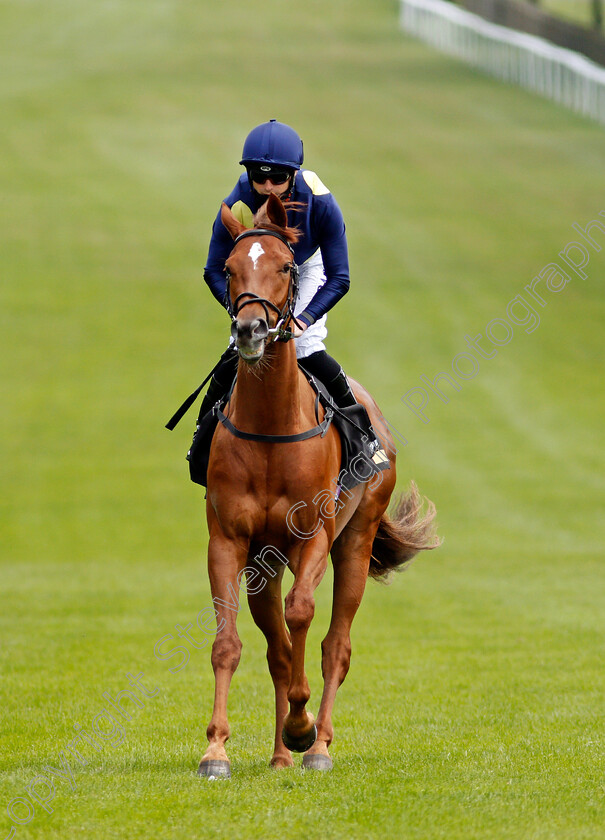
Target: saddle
(360,461)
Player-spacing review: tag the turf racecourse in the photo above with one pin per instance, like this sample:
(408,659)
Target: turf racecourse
(474,706)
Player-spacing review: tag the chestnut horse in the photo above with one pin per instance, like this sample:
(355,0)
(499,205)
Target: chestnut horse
(264,489)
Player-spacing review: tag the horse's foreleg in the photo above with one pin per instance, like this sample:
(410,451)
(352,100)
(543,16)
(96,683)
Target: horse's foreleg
(225,561)
(267,611)
(351,559)
(299,727)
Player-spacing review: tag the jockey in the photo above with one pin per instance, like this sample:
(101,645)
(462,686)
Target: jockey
(273,157)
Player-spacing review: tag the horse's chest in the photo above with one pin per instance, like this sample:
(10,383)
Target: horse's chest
(261,506)
(256,516)
(257,491)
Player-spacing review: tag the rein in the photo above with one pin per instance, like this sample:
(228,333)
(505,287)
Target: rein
(286,313)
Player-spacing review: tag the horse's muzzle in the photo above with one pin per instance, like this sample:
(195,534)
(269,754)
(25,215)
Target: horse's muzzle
(250,335)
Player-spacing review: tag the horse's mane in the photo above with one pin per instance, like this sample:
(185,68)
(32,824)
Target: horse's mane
(262,220)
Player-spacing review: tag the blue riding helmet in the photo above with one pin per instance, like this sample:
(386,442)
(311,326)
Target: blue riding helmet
(275,143)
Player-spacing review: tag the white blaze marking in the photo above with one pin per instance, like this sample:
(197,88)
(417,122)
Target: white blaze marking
(254,253)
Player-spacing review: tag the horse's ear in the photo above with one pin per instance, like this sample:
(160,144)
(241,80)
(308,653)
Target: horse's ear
(276,211)
(234,226)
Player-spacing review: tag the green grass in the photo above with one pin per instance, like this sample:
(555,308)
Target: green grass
(473,708)
(576,11)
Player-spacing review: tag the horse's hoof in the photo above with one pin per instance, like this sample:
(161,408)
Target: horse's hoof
(214,769)
(299,743)
(317,762)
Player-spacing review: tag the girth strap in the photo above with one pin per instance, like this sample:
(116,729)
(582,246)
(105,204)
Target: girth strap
(321,429)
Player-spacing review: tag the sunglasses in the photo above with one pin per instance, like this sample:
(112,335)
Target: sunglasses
(277,176)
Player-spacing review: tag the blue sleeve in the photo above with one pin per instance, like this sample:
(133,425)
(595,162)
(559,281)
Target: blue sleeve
(331,235)
(219,249)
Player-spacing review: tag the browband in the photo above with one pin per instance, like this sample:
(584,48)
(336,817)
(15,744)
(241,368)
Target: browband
(264,232)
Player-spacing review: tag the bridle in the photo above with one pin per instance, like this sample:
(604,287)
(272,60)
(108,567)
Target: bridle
(286,313)
(277,333)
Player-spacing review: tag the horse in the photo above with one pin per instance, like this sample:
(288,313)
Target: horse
(272,503)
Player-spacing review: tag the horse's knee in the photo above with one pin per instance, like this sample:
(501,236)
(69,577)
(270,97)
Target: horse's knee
(300,609)
(226,651)
(335,657)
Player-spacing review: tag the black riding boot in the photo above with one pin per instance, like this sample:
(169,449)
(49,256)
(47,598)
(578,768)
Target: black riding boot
(327,369)
(221,382)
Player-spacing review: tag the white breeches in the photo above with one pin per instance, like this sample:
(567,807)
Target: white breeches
(311,278)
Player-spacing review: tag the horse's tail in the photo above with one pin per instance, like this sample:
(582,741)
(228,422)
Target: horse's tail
(402,535)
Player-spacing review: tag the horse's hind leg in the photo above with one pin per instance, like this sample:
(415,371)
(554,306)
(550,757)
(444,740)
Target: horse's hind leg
(351,560)
(267,611)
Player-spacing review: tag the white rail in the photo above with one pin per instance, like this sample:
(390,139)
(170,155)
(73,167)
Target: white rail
(557,73)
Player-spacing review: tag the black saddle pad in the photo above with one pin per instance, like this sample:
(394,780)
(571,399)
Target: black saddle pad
(359,461)
(199,451)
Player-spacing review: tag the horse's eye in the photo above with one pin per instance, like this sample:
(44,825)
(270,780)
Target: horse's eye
(286,268)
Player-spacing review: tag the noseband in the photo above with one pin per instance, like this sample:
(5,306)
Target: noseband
(286,313)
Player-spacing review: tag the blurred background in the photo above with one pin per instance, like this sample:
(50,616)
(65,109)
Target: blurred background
(122,125)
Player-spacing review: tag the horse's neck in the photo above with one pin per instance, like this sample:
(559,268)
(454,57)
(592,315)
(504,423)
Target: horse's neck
(267,399)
